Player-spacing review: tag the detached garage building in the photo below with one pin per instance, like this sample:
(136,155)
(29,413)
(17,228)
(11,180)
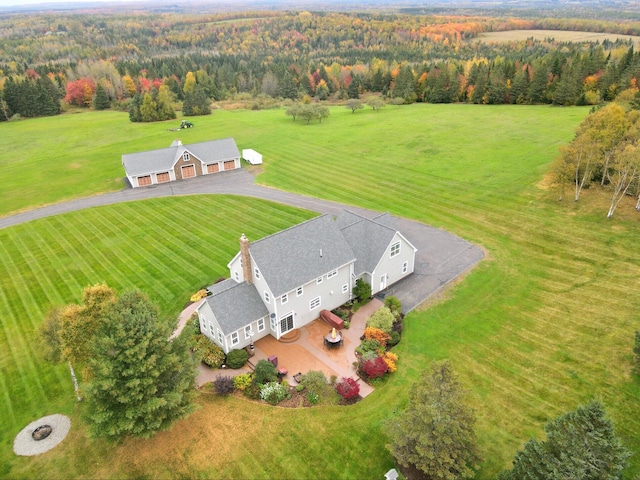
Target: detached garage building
(181,161)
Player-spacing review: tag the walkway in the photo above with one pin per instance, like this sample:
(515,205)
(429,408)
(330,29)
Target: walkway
(441,256)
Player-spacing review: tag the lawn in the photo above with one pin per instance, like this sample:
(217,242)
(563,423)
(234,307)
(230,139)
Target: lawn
(541,326)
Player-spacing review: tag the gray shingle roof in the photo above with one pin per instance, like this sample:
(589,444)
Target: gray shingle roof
(368,239)
(299,254)
(162,160)
(235,304)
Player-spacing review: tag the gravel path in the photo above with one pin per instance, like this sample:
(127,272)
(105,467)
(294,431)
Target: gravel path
(25,445)
(441,256)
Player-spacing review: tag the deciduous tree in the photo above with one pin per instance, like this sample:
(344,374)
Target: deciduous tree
(435,434)
(354,104)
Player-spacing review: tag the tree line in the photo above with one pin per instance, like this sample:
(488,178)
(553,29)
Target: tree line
(278,55)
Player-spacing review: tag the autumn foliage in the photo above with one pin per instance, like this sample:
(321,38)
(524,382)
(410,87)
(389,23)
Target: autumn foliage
(375,368)
(348,388)
(80,92)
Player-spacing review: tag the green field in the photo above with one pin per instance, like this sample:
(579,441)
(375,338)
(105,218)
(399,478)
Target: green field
(544,324)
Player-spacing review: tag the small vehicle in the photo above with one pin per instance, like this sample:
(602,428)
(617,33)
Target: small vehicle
(186,124)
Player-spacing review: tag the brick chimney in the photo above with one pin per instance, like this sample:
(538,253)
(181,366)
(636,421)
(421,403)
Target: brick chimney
(247,271)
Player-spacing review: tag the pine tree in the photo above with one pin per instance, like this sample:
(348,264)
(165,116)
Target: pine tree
(580,444)
(101,99)
(134,108)
(141,382)
(435,434)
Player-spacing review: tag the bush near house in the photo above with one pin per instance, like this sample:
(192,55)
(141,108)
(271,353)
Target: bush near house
(395,305)
(273,392)
(237,358)
(265,372)
(223,385)
(348,388)
(242,381)
(207,352)
(362,290)
(382,319)
(375,368)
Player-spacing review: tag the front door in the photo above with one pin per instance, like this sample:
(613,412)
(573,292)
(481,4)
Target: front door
(286,323)
(383,281)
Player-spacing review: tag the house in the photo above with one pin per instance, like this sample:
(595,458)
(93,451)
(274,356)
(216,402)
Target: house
(180,161)
(283,281)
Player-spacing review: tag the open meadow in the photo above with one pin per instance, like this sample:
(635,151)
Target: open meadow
(558,35)
(544,324)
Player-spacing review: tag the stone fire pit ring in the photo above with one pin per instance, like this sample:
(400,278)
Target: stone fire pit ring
(26,442)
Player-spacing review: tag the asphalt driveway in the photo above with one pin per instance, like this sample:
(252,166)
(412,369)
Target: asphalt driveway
(441,256)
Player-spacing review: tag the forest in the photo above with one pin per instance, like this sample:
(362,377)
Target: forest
(50,62)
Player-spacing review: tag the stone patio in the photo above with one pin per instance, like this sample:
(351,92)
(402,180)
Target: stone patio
(306,351)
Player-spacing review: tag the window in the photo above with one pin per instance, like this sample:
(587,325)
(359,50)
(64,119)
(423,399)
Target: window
(186,156)
(299,291)
(267,297)
(261,325)
(332,274)
(284,299)
(274,324)
(248,332)
(345,288)
(256,272)
(211,329)
(319,280)
(220,338)
(405,267)
(315,303)
(234,338)
(286,323)
(395,249)
(237,275)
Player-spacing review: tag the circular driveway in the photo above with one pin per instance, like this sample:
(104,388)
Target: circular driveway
(441,256)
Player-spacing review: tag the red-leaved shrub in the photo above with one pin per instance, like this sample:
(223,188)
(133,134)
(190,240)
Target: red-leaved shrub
(348,388)
(375,368)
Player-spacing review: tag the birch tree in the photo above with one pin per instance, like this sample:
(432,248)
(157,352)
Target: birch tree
(626,165)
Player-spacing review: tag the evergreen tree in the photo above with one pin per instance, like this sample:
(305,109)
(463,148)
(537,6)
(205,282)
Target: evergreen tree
(581,444)
(288,87)
(134,108)
(141,381)
(435,434)
(101,99)
(353,90)
(196,103)
(538,85)
(404,86)
(520,86)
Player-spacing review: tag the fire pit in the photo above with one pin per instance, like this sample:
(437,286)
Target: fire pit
(41,435)
(42,432)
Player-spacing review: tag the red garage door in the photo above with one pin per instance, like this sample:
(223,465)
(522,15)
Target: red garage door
(229,165)
(189,171)
(163,177)
(213,168)
(144,181)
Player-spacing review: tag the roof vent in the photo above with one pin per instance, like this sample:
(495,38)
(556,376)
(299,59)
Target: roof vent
(320,253)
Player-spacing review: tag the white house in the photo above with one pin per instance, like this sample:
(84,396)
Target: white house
(281,282)
(180,161)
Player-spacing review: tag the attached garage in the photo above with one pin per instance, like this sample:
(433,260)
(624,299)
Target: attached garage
(188,171)
(144,181)
(213,168)
(229,165)
(163,177)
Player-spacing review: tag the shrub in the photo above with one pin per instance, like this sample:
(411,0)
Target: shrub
(237,358)
(223,385)
(362,290)
(253,390)
(273,392)
(373,333)
(314,381)
(381,319)
(397,326)
(299,388)
(265,372)
(390,359)
(395,305)
(348,388)
(369,346)
(394,339)
(347,324)
(313,398)
(199,295)
(375,368)
(208,352)
(242,381)
(343,314)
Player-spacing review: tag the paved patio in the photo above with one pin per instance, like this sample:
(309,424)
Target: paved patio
(308,352)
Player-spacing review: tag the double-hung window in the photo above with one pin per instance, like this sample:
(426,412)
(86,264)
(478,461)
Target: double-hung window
(395,249)
(235,339)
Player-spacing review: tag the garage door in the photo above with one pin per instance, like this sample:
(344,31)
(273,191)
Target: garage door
(229,165)
(189,171)
(213,168)
(144,181)
(163,177)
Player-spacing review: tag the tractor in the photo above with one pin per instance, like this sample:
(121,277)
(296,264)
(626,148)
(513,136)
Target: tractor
(186,124)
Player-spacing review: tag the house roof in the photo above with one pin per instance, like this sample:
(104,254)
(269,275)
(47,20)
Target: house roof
(235,304)
(164,159)
(369,238)
(299,254)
